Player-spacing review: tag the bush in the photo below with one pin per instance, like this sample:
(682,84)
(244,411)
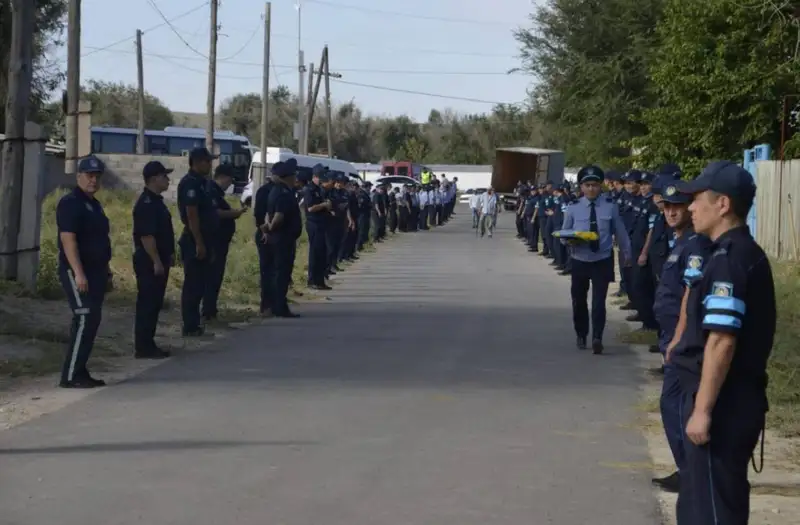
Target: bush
(784,380)
(239,290)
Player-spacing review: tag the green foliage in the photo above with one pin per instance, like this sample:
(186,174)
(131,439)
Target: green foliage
(719,74)
(47,74)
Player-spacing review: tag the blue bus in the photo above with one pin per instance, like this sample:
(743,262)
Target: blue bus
(233,149)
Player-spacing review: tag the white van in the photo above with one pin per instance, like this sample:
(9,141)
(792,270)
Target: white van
(305,164)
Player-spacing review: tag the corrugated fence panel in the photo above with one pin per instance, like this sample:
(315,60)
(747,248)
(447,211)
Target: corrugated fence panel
(767,197)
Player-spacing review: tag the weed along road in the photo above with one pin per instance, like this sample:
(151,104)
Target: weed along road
(439,385)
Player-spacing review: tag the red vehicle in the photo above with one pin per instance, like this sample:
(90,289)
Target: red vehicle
(403,168)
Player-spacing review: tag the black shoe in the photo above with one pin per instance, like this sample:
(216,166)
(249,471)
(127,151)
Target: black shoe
(633,318)
(288,315)
(657,371)
(79,383)
(196,332)
(597,347)
(627,306)
(564,272)
(156,353)
(671,483)
(581,343)
(321,287)
(654,349)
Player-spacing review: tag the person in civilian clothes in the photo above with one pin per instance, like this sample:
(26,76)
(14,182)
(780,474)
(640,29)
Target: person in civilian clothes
(153,256)
(592,262)
(223,178)
(84,254)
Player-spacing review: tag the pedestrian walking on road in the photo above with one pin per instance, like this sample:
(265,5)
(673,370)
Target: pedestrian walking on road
(488,209)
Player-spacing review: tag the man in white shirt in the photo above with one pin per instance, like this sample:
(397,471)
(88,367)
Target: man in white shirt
(488,207)
(423,208)
(474,199)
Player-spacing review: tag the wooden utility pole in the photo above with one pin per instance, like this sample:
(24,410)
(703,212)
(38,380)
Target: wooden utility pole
(212,76)
(73,86)
(262,174)
(327,73)
(310,101)
(20,74)
(313,94)
(140,71)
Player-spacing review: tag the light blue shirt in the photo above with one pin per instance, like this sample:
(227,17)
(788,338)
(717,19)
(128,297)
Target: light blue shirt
(609,226)
(423,199)
(487,204)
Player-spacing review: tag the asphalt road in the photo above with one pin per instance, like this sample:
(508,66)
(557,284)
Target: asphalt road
(440,385)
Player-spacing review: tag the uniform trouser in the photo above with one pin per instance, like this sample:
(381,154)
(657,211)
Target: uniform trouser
(317,253)
(439,214)
(530,233)
(216,274)
(671,415)
(87,312)
(150,291)
(430,216)
(537,225)
(392,219)
(348,242)
(560,251)
(714,488)
(413,219)
(363,230)
(599,274)
(423,217)
(378,226)
(520,223)
(402,222)
(476,217)
(488,222)
(381,230)
(284,251)
(645,294)
(624,274)
(549,228)
(543,232)
(333,242)
(195,277)
(264,266)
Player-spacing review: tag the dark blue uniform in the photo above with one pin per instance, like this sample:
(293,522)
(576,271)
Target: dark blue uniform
(283,241)
(392,199)
(541,216)
(351,235)
(364,212)
(193,191)
(337,224)
(528,213)
(221,244)
(151,218)
(645,212)
(82,215)
(264,252)
(733,294)
(316,224)
(690,252)
(378,215)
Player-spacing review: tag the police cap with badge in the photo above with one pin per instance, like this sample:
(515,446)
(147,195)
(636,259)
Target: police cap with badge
(91,165)
(590,173)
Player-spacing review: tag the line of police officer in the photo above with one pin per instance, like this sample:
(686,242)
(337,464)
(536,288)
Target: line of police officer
(713,302)
(340,214)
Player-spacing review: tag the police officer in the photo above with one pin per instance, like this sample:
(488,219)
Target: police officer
(200,222)
(562,200)
(404,207)
(260,202)
(284,226)
(721,356)
(223,178)
(546,196)
(628,202)
(646,212)
(593,262)
(348,252)
(365,215)
(317,211)
(393,210)
(378,213)
(84,253)
(528,217)
(153,256)
(688,250)
(337,223)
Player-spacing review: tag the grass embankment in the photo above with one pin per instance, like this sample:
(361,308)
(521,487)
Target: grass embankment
(40,322)
(784,364)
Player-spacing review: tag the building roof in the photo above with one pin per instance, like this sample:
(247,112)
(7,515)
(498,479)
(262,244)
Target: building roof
(436,168)
(172,131)
(532,151)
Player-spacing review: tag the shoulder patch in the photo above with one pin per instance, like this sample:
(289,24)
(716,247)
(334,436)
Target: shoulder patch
(721,251)
(191,193)
(146,200)
(722,289)
(673,258)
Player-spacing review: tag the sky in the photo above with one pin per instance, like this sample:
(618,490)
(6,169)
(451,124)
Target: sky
(458,49)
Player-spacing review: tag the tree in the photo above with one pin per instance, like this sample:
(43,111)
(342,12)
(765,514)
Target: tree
(116,104)
(719,76)
(46,73)
(589,60)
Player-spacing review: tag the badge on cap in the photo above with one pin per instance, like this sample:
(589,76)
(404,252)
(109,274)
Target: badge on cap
(722,289)
(93,163)
(670,191)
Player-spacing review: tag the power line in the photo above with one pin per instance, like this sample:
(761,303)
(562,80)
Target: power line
(247,42)
(410,15)
(347,70)
(410,92)
(172,27)
(157,26)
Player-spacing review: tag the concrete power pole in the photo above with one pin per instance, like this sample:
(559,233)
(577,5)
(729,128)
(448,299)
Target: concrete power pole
(212,76)
(140,72)
(73,86)
(261,175)
(20,74)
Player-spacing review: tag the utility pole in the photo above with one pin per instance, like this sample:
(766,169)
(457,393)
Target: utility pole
(328,102)
(262,174)
(309,114)
(73,86)
(301,146)
(140,72)
(212,76)
(20,74)
(312,94)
